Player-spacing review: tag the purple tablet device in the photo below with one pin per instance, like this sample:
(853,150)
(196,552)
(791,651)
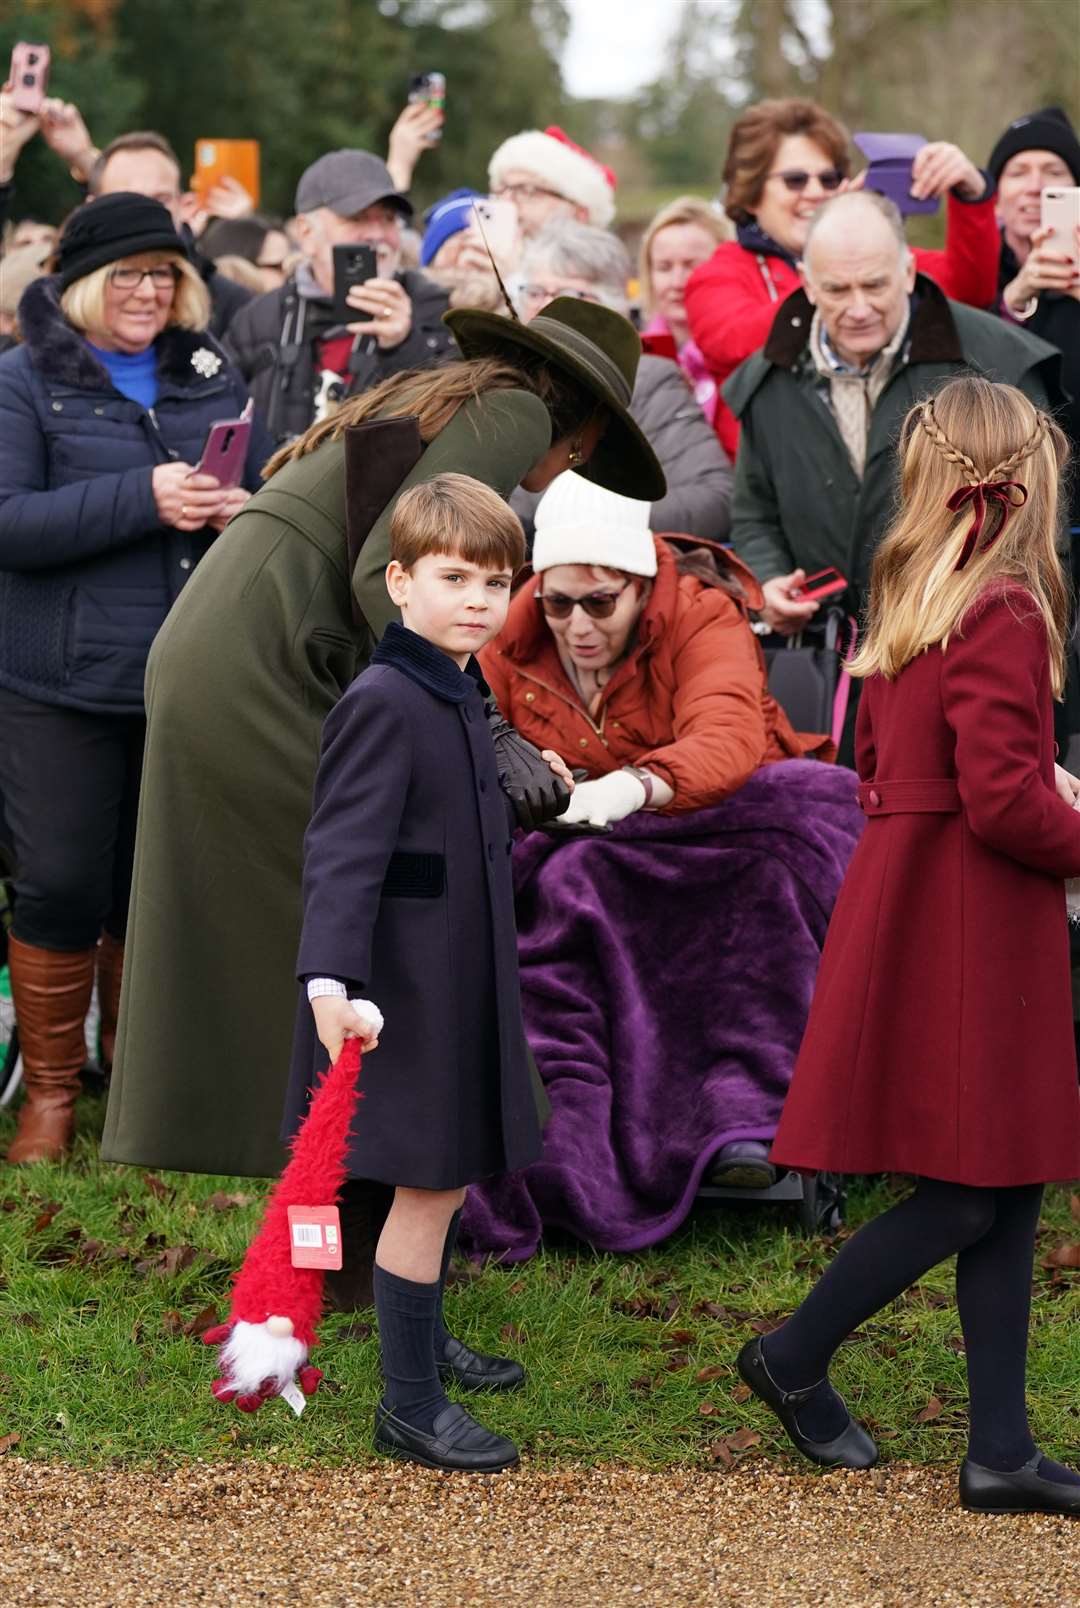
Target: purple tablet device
(890,157)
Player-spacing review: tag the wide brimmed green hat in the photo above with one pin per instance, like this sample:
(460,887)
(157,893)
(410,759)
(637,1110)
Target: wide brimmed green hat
(598,348)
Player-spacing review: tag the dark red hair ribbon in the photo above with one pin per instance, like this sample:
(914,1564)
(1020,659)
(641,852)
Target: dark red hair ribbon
(997,491)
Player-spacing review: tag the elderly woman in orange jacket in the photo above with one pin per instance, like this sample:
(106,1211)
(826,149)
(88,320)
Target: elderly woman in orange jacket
(669,932)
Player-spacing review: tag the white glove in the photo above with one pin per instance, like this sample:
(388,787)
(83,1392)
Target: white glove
(610,798)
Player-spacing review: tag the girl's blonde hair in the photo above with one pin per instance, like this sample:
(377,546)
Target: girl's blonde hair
(686,209)
(83,303)
(972,432)
(435,395)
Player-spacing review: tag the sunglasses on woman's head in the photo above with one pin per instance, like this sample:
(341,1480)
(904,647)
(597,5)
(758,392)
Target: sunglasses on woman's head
(597,605)
(798,179)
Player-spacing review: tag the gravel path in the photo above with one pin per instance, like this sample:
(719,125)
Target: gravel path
(237,1535)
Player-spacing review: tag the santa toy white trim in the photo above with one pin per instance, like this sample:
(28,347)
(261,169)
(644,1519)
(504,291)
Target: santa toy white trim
(569,169)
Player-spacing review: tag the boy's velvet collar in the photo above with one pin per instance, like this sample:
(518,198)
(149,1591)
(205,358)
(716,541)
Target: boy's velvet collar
(427,665)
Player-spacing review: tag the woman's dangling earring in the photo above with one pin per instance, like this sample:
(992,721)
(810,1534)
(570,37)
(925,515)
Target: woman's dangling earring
(575,455)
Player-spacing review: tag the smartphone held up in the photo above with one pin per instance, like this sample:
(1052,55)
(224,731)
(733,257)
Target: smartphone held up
(29,76)
(1060,216)
(353,265)
(429,87)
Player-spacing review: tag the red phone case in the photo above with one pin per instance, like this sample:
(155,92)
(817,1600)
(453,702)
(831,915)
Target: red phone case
(826,589)
(225,452)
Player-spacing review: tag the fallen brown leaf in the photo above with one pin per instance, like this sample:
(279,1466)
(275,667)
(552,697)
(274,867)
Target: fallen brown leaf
(8,1441)
(720,1452)
(172,1322)
(1063,1256)
(743,1440)
(514,1333)
(707,1409)
(679,1337)
(1074,1206)
(49,1209)
(714,1371)
(741,1393)
(156,1187)
(933,1409)
(677,1362)
(219,1201)
(203,1320)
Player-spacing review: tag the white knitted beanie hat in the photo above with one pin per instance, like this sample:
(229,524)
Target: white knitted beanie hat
(579,523)
(566,167)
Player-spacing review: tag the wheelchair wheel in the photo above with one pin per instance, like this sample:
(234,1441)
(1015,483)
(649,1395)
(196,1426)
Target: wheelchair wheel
(821,1209)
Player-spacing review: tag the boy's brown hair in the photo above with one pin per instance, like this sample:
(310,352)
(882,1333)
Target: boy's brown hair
(458,515)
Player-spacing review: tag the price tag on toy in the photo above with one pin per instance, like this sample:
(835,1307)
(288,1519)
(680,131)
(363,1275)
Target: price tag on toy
(315,1237)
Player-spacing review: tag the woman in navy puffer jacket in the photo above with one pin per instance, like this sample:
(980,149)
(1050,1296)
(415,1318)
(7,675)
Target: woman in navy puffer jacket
(104,411)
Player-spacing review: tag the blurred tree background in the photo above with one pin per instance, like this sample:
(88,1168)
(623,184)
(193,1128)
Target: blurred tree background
(307,78)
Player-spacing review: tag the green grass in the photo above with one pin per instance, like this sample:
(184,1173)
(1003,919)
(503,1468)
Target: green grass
(95,1366)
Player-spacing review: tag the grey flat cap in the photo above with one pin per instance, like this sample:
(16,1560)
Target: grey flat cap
(347,182)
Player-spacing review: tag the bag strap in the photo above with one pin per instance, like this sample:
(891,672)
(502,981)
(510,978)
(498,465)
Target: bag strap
(843,683)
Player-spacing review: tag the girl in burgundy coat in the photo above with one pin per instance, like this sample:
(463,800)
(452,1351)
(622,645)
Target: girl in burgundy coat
(940,1039)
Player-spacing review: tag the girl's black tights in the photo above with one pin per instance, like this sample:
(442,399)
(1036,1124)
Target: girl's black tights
(992,1234)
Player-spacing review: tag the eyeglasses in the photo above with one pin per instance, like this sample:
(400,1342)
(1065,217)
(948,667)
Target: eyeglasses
(597,605)
(797,179)
(526,192)
(163,278)
(546,293)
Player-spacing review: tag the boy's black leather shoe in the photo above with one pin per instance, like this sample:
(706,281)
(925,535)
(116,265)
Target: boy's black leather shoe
(457,1442)
(475,1370)
(853,1448)
(988,1490)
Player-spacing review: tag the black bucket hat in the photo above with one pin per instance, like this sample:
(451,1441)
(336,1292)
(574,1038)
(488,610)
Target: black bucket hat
(600,350)
(119,225)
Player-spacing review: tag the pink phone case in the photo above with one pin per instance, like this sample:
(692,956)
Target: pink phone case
(29,76)
(225,452)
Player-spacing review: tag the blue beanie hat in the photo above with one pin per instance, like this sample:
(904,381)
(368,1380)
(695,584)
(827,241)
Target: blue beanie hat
(445,218)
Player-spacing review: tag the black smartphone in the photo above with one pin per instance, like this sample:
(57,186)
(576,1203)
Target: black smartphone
(353,265)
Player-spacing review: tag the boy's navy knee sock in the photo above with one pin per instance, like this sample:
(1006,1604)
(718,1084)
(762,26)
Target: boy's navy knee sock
(442,1333)
(406,1313)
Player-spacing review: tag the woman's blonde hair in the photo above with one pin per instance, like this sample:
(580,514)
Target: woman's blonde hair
(435,395)
(686,209)
(83,303)
(974,431)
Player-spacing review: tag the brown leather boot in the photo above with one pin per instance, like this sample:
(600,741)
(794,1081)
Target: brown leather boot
(110,973)
(51,991)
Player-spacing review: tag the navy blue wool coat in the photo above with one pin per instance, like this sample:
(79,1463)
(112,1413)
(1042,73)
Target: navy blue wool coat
(87,570)
(408,895)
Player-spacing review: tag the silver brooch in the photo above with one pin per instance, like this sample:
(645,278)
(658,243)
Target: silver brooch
(205,362)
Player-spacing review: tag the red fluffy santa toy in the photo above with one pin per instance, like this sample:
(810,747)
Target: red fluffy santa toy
(276,1305)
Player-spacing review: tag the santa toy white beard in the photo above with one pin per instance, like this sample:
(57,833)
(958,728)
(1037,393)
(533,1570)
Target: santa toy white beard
(253,1353)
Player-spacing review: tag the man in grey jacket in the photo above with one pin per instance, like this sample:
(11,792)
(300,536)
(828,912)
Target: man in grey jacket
(297,356)
(574,259)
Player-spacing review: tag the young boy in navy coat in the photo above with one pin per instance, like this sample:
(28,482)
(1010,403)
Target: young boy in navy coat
(408,898)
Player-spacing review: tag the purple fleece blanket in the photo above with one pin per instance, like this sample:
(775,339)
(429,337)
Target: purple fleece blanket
(666,973)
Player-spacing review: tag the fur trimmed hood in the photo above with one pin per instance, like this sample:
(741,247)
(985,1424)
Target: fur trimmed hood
(62,355)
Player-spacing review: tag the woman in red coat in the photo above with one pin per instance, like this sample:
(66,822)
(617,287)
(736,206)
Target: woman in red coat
(940,1038)
(784,159)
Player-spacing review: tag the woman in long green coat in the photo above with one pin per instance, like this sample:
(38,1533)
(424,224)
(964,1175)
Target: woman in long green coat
(279,618)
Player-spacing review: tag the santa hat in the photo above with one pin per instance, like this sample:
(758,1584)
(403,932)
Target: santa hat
(276,1306)
(578,522)
(566,167)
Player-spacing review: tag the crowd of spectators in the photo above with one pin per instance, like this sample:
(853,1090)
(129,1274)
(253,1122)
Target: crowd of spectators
(785,329)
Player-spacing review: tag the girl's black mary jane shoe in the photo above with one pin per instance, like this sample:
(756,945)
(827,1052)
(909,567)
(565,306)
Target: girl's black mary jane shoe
(988,1490)
(853,1448)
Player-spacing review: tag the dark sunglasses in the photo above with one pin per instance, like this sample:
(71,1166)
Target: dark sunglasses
(797,179)
(597,605)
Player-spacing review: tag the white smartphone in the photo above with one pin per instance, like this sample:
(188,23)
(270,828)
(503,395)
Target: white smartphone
(1061,215)
(499,221)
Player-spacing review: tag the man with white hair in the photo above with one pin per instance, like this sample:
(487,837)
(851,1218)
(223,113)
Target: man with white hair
(821,404)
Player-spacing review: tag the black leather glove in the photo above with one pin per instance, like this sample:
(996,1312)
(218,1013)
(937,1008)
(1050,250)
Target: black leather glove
(528,781)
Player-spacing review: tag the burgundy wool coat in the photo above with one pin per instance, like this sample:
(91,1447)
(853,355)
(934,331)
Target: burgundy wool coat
(940,1038)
